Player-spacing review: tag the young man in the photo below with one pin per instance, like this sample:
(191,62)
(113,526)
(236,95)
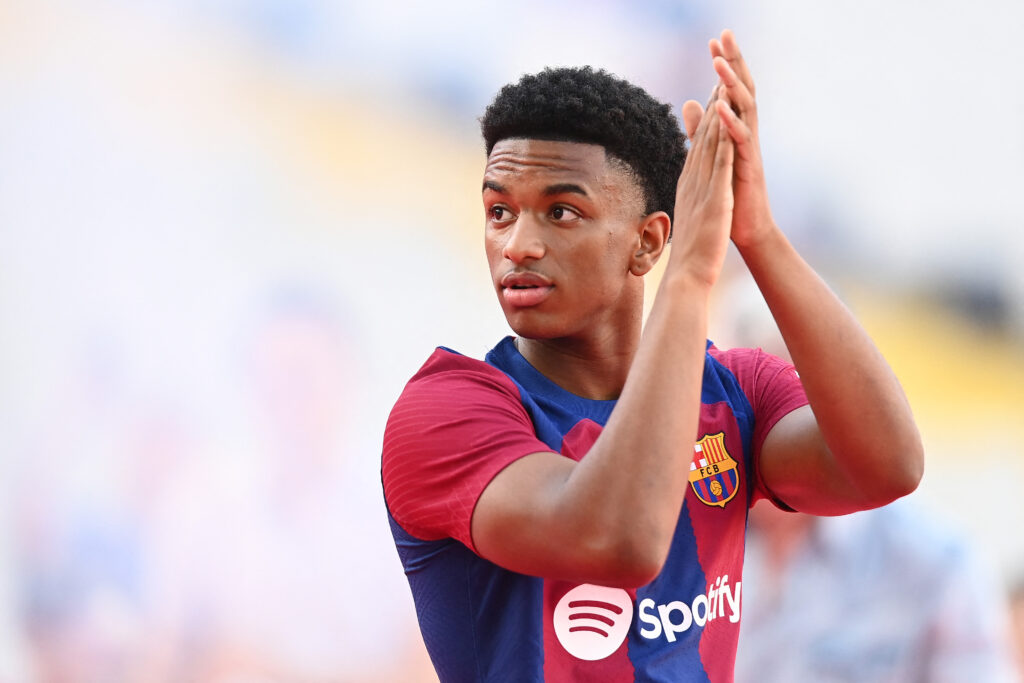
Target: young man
(555,517)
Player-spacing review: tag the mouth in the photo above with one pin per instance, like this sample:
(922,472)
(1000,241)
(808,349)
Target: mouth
(525,289)
(525,296)
(521,279)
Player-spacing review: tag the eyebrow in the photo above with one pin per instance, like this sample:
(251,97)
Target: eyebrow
(564,188)
(549,191)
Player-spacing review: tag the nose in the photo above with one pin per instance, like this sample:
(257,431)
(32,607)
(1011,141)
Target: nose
(524,240)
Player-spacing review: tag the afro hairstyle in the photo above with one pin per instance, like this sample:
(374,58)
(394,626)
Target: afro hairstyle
(581,104)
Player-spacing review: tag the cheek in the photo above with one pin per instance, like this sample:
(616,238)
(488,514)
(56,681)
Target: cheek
(603,267)
(616,255)
(492,248)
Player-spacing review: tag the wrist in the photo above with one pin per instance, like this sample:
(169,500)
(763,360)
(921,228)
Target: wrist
(757,237)
(688,282)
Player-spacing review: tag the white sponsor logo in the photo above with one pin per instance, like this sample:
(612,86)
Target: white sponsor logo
(677,616)
(592,621)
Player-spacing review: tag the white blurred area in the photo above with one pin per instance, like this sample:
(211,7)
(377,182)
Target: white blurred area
(230,232)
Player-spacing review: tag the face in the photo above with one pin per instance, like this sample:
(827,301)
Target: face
(563,226)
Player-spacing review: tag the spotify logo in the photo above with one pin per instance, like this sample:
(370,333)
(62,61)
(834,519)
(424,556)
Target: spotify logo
(592,621)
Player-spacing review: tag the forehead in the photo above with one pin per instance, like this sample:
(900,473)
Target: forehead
(526,159)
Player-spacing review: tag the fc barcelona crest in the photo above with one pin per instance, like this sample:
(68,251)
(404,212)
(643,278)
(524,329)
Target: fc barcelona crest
(713,473)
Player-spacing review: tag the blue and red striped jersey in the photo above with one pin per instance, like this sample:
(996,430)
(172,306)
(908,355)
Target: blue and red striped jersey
(460,421)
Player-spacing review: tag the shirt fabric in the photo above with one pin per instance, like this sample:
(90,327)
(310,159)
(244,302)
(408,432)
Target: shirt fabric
(460,421)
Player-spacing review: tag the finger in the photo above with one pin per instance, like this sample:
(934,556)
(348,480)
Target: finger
(705,119)
(712,140)
(695,166)
(730,51)
(723,129)
(738,131)
(714,93)
(733,87)
(716,49)
(725,150)
(700,140)
(691,166)
(692,114)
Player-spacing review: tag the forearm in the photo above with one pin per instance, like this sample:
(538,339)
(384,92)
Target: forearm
(640,462)
(610,517)
(861,409)
(644,453)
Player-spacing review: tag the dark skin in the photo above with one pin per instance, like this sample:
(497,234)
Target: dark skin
(566,234)
(546,199)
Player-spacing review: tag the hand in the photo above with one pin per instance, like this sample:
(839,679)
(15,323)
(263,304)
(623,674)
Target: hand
(751,215)
(704,195)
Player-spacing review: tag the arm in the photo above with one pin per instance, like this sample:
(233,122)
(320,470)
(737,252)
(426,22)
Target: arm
(549,516)
(856,446)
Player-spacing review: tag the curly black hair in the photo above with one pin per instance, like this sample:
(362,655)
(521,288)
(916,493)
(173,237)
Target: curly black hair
(581,104)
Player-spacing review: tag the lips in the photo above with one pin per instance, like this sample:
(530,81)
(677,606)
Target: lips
(525,289)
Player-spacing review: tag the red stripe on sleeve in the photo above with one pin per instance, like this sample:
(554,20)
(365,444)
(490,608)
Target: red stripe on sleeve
(457,424)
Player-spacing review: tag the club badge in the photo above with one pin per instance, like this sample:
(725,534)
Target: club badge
(713,473)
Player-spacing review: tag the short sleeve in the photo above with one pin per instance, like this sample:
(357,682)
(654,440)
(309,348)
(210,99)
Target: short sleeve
(457,424)
(773,388)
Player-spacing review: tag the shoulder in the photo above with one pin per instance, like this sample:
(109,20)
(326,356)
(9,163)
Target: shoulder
(453,391)
(458,423)
(748,363)
(448,371)
(444,360)
(758,372)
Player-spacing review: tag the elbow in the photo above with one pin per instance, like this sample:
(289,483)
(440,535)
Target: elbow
(631,561)
(639,566)
(912,469)
(910,466)
(904,474)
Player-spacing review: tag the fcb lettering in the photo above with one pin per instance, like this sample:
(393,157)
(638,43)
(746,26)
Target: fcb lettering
(714,475)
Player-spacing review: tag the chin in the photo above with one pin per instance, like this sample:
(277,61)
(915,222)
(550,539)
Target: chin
(531,326)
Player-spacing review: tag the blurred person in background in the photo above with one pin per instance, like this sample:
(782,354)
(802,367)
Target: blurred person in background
(880,596)
(888,595)
(151,546)
(280,563)
(80,567)
(542,498)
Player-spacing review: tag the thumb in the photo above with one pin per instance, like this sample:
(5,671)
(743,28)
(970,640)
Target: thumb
(692,113)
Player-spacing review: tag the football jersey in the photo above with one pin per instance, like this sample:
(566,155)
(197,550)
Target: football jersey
(460,421)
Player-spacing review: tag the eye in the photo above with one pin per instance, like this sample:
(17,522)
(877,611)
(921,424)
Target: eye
(499,214)
(563,214)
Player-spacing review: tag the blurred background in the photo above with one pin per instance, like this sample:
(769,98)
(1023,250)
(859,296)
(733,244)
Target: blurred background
(230,231)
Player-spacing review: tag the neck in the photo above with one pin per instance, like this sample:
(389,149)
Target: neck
(594,368)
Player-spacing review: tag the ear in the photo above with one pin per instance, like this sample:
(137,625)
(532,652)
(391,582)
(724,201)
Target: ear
(653,236)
